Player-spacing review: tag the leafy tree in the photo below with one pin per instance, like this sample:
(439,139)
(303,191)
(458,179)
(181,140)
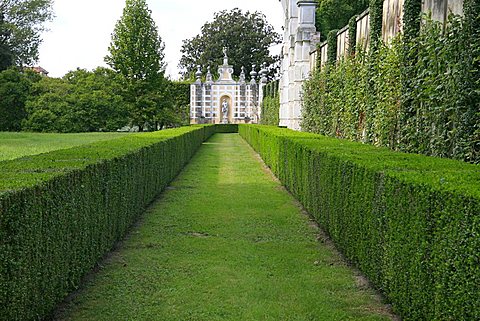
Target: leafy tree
(21,24)
(335,14)
(48,105)
(15,87)
(99,94)
(178,111)
(248,37)
(136,52)
(6,59)
(82,101)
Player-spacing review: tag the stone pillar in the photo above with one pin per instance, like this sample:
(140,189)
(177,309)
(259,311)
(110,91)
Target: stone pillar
(299,32)
(261,89)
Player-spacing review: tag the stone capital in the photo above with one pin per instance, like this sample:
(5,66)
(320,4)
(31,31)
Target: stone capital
(302,3)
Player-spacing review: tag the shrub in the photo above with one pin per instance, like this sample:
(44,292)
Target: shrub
(271,104)
(60,212)
(409,222)
(15,87)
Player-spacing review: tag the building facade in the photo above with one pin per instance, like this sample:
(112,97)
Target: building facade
(299,40)
(226,101)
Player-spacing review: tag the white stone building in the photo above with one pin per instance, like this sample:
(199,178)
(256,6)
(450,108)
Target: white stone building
(300,39)
(226,100)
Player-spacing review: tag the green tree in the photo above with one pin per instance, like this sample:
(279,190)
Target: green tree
(136,52)
(21,24)
(178,111)
(15,87)
(335,14)
(6,59)
(248,37)
(82,101)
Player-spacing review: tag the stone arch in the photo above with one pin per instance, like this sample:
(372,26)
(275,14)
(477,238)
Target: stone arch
(228,98)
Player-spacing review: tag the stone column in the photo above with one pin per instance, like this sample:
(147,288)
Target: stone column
(299,32)
(304,36)
(286,81)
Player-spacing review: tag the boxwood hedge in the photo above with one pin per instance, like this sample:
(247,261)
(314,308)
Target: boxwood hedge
(410,222)
(60,212)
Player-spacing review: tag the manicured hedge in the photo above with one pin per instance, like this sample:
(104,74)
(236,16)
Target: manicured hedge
(410,222)
(226,128)
(60,212)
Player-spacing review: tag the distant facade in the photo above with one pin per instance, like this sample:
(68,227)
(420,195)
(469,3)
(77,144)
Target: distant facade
(226,100)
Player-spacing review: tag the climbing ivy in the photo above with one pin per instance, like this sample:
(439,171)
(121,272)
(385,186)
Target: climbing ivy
(376,13)
(411,29)
(332,47)
(428,104)
(271,104)
(352,35)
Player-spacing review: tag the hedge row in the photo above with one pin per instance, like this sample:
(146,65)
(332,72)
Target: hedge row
(226,128)
(60,212)
(410,222)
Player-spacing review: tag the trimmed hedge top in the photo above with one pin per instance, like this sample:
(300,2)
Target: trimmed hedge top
(31,170)
(410,222)
(439,173)
(61,211)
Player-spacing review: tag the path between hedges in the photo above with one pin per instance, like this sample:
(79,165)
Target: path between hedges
(224,242)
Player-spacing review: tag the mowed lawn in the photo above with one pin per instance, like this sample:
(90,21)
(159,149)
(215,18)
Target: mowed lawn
(224,242)
(15,145)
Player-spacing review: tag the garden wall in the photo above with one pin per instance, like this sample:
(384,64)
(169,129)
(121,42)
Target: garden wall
(60,212)
(416,91)
(410,222)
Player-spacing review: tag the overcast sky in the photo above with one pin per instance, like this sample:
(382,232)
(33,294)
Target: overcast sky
(80,34)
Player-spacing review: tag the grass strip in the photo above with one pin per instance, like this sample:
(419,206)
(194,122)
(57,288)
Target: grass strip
(224,242)
(15,145)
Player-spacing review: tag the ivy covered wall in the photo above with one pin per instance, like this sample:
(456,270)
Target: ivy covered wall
(419,93)
(271,104)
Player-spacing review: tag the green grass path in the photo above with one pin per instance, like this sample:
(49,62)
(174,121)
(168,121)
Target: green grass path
(14,145)
(224,242)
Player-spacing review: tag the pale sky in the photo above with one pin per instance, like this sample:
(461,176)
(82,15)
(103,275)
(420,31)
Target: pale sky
(80,33)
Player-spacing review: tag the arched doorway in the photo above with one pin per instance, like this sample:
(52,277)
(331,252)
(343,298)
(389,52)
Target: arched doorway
(226,109)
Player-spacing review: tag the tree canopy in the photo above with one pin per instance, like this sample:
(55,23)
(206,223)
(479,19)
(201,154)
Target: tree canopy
(15,88)
(248,37)
(81,101)
(136,49)
(136,52)
(335,14)
(21,24)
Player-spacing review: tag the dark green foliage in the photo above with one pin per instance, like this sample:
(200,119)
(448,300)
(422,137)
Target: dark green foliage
(342,101)
(136,53)
(247,36)
(334,14)
(15,87)
(412,11)
(425,100)
(82,101)
(177,113)
(226,128)
(409,54)
(352,35)
(21,25)
(332,47)
(409,222)
(6,56)
(271,104)
(470,119)
(62,211)
(376,16)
